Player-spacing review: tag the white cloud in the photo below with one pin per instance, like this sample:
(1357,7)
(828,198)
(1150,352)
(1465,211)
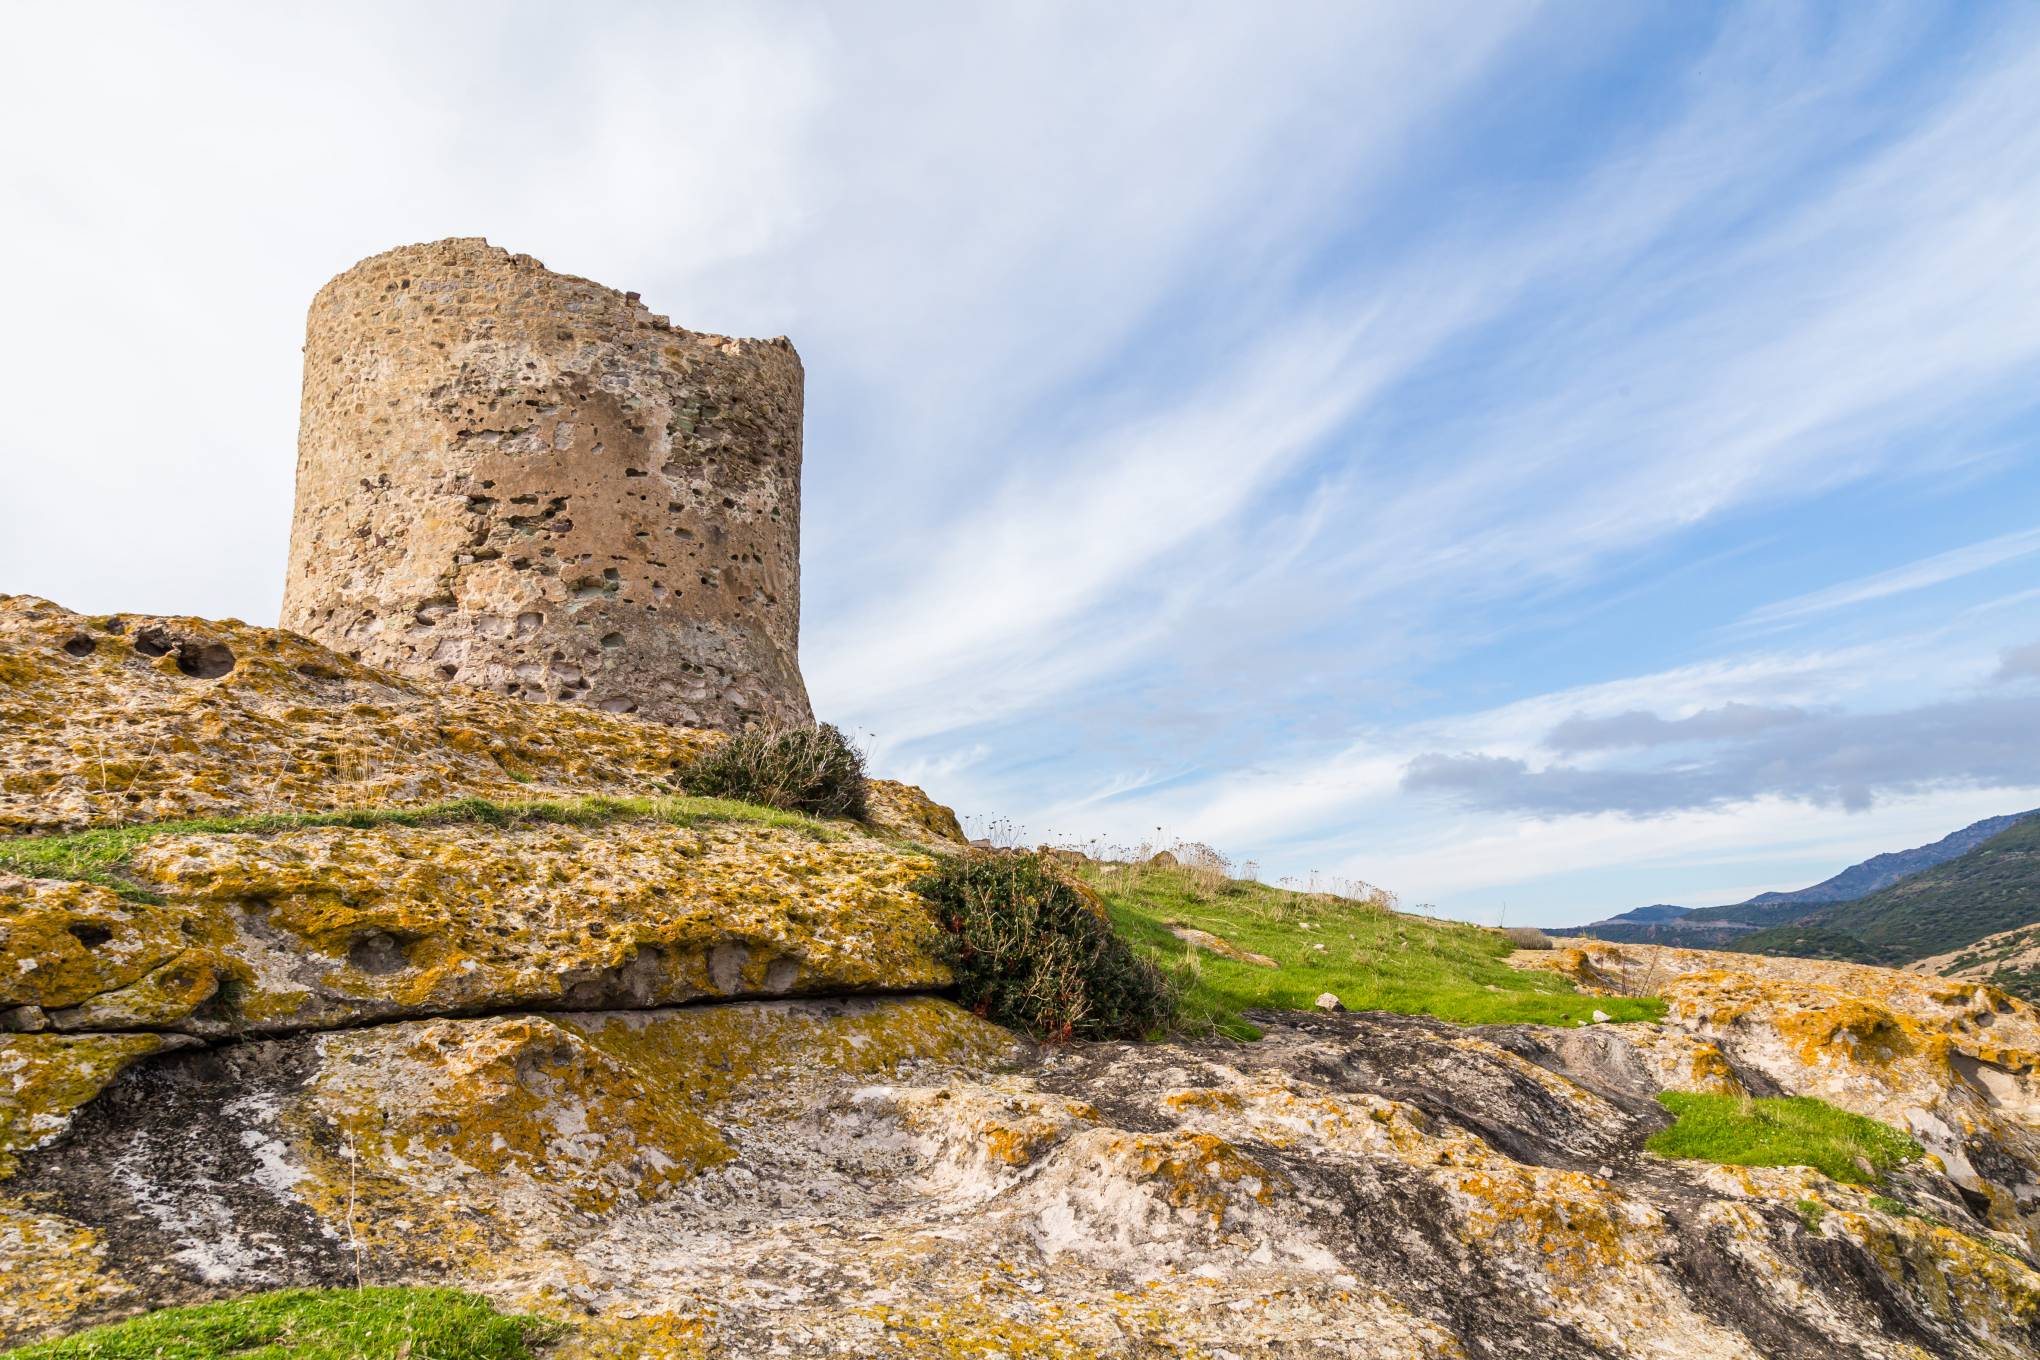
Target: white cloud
(1928,571)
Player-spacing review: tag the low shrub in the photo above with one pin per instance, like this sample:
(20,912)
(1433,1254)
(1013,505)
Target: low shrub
(815,770)
(1528,937)
(1033,950)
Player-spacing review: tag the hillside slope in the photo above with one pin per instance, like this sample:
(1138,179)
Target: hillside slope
(1728,927)
(1992,889)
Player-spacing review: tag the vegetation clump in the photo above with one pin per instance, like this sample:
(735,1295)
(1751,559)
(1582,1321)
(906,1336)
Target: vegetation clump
(310,1324)
(816,770)
(1780,1131)
(1031,950)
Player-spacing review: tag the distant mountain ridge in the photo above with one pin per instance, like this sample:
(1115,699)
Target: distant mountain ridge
(1881,871)
(1992,888)
(1726,926)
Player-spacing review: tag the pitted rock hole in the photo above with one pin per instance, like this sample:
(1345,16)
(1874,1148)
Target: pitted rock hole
(88,935)
(204,660)
(153,642)
(378,954)
(80,646)
(434,610)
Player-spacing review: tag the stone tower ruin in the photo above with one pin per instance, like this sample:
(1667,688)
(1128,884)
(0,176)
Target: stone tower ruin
(529,483)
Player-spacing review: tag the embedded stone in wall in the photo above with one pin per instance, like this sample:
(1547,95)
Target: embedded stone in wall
(527,482)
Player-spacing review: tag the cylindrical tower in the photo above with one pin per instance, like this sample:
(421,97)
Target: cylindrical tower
(527,482)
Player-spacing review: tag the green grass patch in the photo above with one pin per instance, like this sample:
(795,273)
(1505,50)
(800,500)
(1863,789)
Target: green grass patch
(1784,1131)
(310,1324)
(98,855)
(1368,957)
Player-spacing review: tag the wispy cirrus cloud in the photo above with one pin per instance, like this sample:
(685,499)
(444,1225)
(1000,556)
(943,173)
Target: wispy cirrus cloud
(1930,571)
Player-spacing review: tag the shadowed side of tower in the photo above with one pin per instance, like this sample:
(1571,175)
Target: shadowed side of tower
(527,482)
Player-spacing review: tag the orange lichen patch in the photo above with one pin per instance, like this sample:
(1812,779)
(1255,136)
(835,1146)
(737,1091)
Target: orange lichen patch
(969,1329)
(328,923)
(655,1336)
(1230,1102)
(127,718)
(1567,1222)
(987,1124)
(63,943)
(705,1055)
(53,1267)
(1958,1278)
(1850,1030)
(44,1078)
(484,1132)
(1201,1173)
(903,810)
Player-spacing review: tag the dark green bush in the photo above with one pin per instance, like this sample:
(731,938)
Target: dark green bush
(802,769)
(1034,951)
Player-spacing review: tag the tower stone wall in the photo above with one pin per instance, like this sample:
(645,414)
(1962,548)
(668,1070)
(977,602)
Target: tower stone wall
(528,482)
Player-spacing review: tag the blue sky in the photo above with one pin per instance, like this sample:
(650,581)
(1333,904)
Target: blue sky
(1541,458)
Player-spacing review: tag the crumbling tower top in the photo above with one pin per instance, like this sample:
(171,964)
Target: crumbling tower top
(527,482)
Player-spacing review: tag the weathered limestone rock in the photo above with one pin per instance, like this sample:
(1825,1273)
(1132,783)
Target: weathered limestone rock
(892,1177)
(131,718)
(528,483)
(325,926)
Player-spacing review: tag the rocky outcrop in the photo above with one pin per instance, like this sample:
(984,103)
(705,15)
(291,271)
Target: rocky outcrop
(682,1075)
(895,1177)
(1955,1064)
(321,927)
(115,718)
(907,812)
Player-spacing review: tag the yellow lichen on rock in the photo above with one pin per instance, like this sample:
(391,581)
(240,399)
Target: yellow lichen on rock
(45,1078)
(652,1336)
(54,1268)
(905,811)
(63,943)
(314,927)
(131,718)
(706,1054)
(483,1134)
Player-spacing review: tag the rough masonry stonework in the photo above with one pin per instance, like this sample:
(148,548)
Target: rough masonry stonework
(529,483)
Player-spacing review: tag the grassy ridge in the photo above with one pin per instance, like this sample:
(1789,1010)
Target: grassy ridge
(96,856)
(1370,958)
(310,1324)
